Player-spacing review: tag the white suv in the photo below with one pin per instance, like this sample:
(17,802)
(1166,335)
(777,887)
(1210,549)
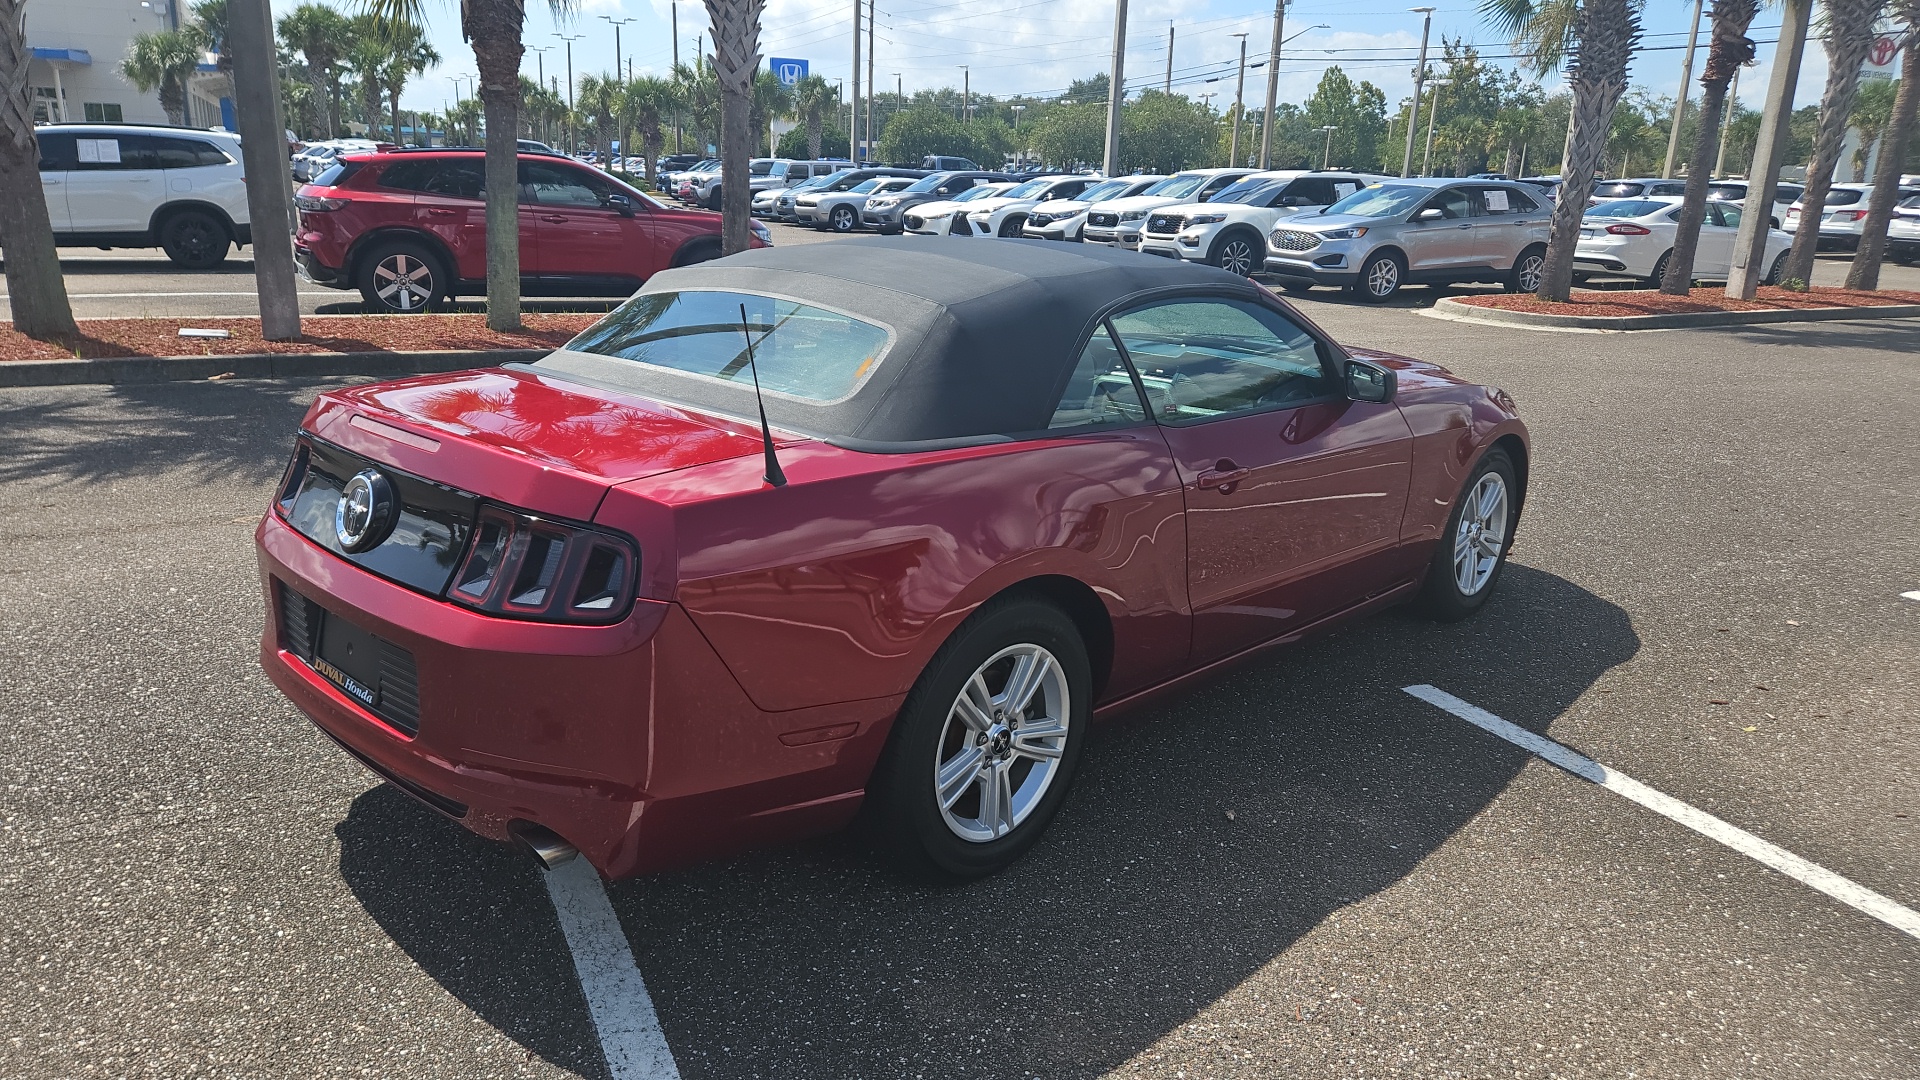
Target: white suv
(1230,229)
(1117,222)
(128,185)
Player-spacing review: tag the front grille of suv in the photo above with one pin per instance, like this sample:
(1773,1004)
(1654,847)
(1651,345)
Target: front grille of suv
(1107,220)
(1294,240)
(1166,224)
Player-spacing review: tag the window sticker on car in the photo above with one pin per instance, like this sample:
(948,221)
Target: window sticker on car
(1342,189)
(99,151)
(1496,201)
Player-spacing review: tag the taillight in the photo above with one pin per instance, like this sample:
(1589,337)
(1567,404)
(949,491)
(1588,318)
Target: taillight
(1849,215)
(1629,230)
(528,567)
(316,203)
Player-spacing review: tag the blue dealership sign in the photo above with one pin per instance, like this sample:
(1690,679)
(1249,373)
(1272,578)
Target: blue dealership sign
(788,71)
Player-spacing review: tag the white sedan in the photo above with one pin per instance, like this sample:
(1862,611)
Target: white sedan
(1006,214)
(1634,237)
(936,218)
(1064,220)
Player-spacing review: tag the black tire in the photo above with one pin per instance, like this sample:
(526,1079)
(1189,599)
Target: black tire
(713,199)
(903,800)
(1778,268)
(697,251)
(1660,268)
(1443,597)
(1013,226)
(843,219)
(403,277)
(1297,288)
(1528,268)
(194,240)
(1238,252)
(1376,285)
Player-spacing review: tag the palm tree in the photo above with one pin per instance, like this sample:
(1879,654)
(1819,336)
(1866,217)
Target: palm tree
(210,27)
(699,95)
(494,28)
(595,104)
(646,102)
(772,100)
(1849,34)
(1597,38)
(321,35)
(1872,112)
(408,54)
(164,60)
(35,289)
(1865,271)
(1730,48)
(540,105)
(813,100)
(367,57)
(736,62)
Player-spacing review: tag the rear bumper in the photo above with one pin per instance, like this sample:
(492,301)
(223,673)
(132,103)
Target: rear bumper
(312,269)
(633,742)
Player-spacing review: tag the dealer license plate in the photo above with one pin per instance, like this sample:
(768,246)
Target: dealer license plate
(349,658)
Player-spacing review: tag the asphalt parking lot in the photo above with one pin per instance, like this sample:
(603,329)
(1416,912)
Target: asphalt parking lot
(1298,869)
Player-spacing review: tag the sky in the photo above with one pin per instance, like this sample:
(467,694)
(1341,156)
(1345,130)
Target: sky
(1039,46)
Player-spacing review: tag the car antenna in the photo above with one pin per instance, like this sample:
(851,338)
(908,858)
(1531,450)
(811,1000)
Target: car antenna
(774,475)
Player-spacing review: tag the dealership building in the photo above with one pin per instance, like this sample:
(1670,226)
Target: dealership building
(77,46)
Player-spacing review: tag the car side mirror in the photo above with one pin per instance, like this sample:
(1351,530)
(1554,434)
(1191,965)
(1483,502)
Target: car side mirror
(622,204)
(1370,382)
(1431,213)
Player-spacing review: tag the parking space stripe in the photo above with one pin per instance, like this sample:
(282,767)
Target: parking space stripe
(1850,893)
(1914,595)
(617,1000)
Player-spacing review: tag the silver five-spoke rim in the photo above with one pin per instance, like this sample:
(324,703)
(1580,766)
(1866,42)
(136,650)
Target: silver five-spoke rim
(1530,268)
(403,282)
(1384,277)
(1237,258)
(1483,531)
(1001,746)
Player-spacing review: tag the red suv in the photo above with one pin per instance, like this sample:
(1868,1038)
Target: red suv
(408,229)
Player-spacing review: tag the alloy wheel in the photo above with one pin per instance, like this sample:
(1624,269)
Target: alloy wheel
(1532,268)
(1002,744)
(843,219)
(1481,535)
(196,238)
(1383,277)
(1236,257)
(403,282)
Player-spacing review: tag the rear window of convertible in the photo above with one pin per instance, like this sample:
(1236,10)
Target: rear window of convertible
(801,351)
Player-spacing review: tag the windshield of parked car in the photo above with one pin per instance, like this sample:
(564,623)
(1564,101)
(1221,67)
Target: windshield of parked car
(1910,204)
(1602,190)
(1030,189)
(1178,187)
(930,183)
(984,191)
(1105,189)
(808,185)
(865,186)
(1381,200)
(1251,192)
(759,168)
(1627,208)
(1844,196)
(802,351)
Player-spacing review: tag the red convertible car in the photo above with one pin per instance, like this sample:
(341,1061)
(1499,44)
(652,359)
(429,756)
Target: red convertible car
(604,604)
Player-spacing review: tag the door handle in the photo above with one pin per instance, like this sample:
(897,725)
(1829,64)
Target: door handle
(555,218)
(441,211)
(1464,225)
(1224,475)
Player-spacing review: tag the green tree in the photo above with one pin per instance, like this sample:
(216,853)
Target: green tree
(736,66)
(1357,113)
(1164,133)
(814,100)
(920,131)
(322,37)
(408,53)
(1850,33)
(596,102)
(164,61)
(1093,91)
(772,100)
(833,143)
(366,57)
(1071,135)
(1872,112)
(646,102)
(1728,48)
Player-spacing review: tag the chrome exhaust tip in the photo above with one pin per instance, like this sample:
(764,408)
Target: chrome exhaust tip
(545,845)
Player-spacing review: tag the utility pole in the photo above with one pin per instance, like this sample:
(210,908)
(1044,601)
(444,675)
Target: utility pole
(1116,88)
(966,94)
(1169,87)
(569,39)
(871,93)
(1239,109)
(1769,151)
(1686,79)
(1273,84)
(1419,80)
(853,114)
(1726,125)
(540,57)
(1433,112)
(624,142)
(263,148)
(676,72)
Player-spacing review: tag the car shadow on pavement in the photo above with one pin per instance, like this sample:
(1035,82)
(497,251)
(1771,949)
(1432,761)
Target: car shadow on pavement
(1146,901)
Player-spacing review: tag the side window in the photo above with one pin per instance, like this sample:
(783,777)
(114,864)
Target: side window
(408,175)
(1728,214)
(1215,186)
(184,153)
(140,151)
(92,153)
(558,185)
(1202,359)
(1307,191)
(1452,203)
(1101,392)
(57,152)
(1521,202)
(1496,202)
(457,179)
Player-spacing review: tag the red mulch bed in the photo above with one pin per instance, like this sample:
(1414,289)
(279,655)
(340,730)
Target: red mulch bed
(1653,302)
(321,334)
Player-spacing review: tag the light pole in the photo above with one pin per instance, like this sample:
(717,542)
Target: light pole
(899,96)
(1326,156)
(540,57)
(569,39)
(1419,78)
(1273,78)
(966,94)
(1239,96)
(675,16)
(1433,111)
(1680,107)
(617,24)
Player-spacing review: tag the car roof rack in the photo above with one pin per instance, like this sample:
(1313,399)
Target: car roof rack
(468,150)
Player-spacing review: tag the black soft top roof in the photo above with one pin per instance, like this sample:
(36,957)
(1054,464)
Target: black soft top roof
(987,331)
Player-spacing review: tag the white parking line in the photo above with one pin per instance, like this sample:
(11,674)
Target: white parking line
(629,1030)
(1850,893)
(1914,595)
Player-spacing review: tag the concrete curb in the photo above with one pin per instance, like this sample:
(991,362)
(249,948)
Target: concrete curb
(156,369)
(1455,309)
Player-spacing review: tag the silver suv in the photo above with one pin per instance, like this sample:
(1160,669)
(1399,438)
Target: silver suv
(1432,232)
